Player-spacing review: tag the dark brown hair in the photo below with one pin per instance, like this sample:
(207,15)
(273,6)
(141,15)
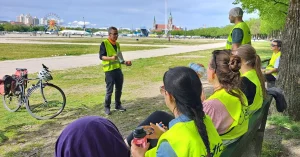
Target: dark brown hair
(227,68)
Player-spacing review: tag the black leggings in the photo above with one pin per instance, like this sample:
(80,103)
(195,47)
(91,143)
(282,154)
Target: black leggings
(270,78)
(155,117)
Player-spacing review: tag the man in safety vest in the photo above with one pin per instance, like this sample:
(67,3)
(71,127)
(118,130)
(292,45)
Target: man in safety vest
(110,54)
(240,34)
(271,70)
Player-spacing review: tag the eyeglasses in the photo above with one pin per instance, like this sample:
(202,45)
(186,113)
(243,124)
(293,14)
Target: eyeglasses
(273,45)
(115,34)
(162,90)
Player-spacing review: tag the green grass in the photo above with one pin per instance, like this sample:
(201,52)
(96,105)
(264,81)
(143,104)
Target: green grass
(24,51)
(286,127)
(150,41)
(271,149)
(85,90)
(282,133)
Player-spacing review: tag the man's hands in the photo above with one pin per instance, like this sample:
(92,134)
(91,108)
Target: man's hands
(114,58)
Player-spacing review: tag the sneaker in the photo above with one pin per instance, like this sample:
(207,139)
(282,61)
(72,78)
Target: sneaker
(107,111)
(120,108)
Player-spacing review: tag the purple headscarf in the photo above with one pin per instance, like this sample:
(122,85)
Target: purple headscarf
(91,136)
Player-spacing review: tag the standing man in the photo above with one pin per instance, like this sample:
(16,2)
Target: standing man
(240,34)
(271,70)
(109,50)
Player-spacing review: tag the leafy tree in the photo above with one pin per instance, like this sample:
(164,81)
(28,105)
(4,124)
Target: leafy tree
(1,28)
(272,12)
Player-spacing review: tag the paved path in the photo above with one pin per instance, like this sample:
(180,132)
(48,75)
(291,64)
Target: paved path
(34,41)
(66,62)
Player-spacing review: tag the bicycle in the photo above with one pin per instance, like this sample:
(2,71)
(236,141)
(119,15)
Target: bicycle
(46,104)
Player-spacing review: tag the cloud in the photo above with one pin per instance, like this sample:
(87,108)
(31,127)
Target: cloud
(80,24)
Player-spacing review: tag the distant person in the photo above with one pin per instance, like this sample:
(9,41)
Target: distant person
(240,34)
(253,82)
(271,71)
(91,136)
(191,133)
(109,49)
(227,106)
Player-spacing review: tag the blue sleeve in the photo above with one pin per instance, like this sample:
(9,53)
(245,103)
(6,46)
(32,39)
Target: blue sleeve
(165,150)
(237,35)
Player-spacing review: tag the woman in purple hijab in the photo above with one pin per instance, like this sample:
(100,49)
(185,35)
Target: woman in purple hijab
(91,136)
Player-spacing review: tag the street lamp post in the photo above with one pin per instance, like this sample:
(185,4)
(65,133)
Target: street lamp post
(83,24)
(166,27)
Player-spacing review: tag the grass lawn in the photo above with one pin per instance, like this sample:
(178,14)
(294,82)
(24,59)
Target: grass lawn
(150,41)
(24,51)
(22,135)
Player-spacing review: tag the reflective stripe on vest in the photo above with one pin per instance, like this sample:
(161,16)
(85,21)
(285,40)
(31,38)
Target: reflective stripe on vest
(237,111)
(185,140)
(258,98)
(111,65)
(271,65)
(246,35)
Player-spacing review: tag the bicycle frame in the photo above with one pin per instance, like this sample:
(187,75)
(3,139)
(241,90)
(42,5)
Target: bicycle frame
(20,82)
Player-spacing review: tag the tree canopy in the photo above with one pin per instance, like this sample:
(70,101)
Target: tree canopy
(271,12)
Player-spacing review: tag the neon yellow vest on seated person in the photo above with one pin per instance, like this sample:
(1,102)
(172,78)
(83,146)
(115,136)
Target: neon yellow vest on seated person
(271,65)
(237,111)
(111,65)
(246,35)
(258,98)
(185,140)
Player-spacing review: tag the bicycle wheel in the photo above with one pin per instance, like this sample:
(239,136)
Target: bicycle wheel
(13,101)
(46,102)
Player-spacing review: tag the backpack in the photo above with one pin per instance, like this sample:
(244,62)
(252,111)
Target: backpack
(7,82)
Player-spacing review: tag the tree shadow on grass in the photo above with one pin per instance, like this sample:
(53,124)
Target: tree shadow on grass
(40,140)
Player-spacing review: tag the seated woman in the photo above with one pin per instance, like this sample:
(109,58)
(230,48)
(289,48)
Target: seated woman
(191,133)
(91,136)
(227,106)
(253,83)
(271,70)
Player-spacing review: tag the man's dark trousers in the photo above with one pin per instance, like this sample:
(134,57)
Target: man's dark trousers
(114,77)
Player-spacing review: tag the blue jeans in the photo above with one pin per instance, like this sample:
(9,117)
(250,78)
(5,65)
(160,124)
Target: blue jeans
(113,78)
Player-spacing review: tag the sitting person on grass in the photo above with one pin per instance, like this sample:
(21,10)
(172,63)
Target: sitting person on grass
(191,133)
(91,136)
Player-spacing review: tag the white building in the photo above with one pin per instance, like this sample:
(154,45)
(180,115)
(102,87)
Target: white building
(28,20)
(42,21)
(21,18)
(35,21)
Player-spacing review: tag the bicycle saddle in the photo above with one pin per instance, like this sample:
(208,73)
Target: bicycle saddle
(21,69)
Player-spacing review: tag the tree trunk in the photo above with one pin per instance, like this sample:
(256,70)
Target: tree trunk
(289,69)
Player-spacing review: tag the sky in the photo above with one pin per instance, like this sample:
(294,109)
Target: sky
(125,13)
